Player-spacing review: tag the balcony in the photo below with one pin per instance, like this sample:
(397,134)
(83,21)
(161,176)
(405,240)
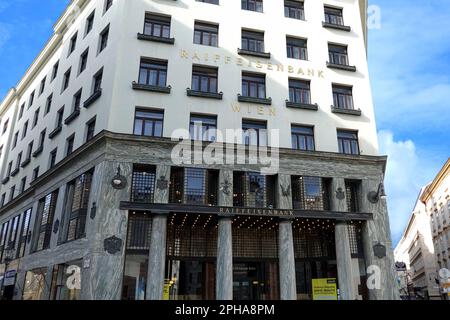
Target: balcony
(264,101)
(147,37)
(5,180)
(203,94)
(38,151)
(151,88)
(347,111)
(97,94)
(335,22)
(243,52)
(25,162)
(55,132)
(72,116)
(15,171)
(304,106)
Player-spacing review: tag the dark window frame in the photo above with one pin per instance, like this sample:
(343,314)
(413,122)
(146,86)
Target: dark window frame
(154,118)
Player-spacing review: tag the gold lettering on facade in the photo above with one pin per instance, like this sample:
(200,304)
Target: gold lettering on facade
(311,72)
(195,56)
(184,54)
(269,66)
(239,61)
(290,69)
(280,67)
(258,64)
(272,112)
(236,107)
(216,58)
(227,60)
(260,110)
(300,71)
(320,74)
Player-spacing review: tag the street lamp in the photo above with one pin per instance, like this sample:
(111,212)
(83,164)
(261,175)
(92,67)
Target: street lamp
(375,196)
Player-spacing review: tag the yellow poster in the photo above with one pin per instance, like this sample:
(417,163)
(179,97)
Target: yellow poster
(166,291)
(324,289)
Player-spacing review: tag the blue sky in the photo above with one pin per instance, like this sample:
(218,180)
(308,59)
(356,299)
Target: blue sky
(409,60)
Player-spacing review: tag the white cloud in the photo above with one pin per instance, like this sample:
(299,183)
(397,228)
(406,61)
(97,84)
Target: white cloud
(406,173)
(5,33)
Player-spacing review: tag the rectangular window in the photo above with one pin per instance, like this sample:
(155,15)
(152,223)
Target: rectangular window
(18,160)
(203,128)
(25,130)
(252,41)
(348,142)
(13,234)
(48,104)
(44,221)
(83,61)
(251,189)
(23,184)
(35,173)
(338,54)
(310,193)
(296,48)
(42,87)
(76,207)
(61,275)
(90,22)
(299,91)
(42,139)
(52,160)
(5,126)
(30,103)
(69,144)
(334,16)
(34,285)
(3,239)
(153,72)
(76,103)
(343,97)
(103,42)
(303,138)
(206,34)
(12,193)
(73,43)
(36,117)
(15,139)
(294,9)
(22,108)
(148,123)
(252,5)
(97,81)
(352,195)
(29,150)
(24,233)
(108,4)
(157,25)
(90,129)
(143,183)
(254,85)
(8,171)
(254,133)
(204,79)
(55,70)
(60,118)
(66,80)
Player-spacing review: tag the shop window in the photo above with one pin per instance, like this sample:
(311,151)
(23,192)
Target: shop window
(34,285)
(66,281)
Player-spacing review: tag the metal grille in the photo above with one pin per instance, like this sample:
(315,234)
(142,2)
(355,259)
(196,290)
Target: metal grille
(191,236)
(253,190)
(314,238)
(46,213)
(351,190)
(355,239)
(139,231)
(143,185)
(310,193)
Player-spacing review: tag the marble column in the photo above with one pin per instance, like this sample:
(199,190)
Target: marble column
(157,252)
(381,275)
(343,253)
(288,285)
(157,258)
(224,274)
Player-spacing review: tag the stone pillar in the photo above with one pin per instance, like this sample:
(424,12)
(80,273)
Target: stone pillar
(343,253)
(380,270)
(224,273)
(288,284)
(157,253)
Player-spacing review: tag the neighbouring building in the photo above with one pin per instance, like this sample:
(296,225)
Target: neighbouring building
(93,205)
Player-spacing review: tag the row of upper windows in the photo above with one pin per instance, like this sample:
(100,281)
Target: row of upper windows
(153,77)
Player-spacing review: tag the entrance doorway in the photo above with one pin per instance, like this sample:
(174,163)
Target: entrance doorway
(255,280)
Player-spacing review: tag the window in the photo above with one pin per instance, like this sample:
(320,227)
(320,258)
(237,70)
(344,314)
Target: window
(25,130)
(30,103)
(97,82)
(343,97)
(204,79)
(83,61)
(34,285)
(334,16)
(90,22)
(153,72)
(3,239)
(303,138)
(296,48)
(193,186)
(294,9)
(22,108)
(23,184)
(76,103)
(12,192)
(35,173)
(143,183)
(310,193)
(76,207)
(36,117)
(254,133)
(252,41)
(254,85)
(209,1)
(103,39)
(8,171)
(252,5)
(253,190)
(59,118)
(90,129)
(16,137)
(19,160)
(23,233)
(42,139)
(299,91)
(348,142)
(148,123)
(29,150)
(52,160)
(3,199)
(73,43)
(69,144)
(44,221)
(206,34)
(203,127)
(352,195)
(157,25)
(61,275)
(48,104)
(13,233)
(55,70)
(5,126)
(66,80)
(338,54)
(108,4)
(42,87)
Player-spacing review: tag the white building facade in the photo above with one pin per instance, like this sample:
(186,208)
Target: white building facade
(89,181)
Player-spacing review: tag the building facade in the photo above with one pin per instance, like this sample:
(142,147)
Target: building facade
(94,204)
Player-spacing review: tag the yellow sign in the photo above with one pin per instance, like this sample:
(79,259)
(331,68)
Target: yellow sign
(166,291)
(324,289)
